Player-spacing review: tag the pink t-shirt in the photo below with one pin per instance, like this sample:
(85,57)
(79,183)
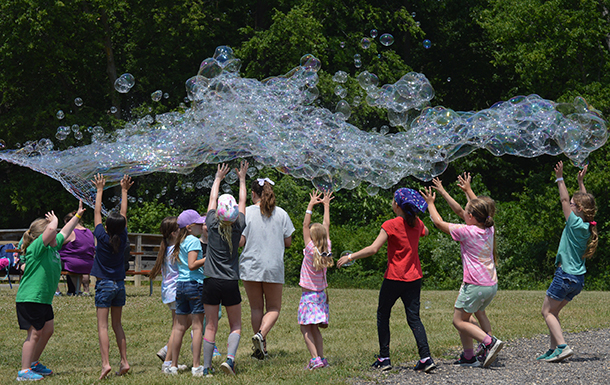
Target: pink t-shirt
(477,253)
(312,279)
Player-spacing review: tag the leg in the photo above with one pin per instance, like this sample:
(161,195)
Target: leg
(70,280)
(116,313)
(307,331)
(467,330)
(254,291)
(168,356)
(85,281)
(179,327)
(29,352)
(44,335)
(410,299)
(273,304)
(211,327)
(484,323)
(197,327)
(387,298)
(550,311)
(102,333)
(317,340)
(234,316)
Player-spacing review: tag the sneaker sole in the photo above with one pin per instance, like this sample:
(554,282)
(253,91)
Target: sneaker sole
(259,345)
(226,368)
(493,353)
(564,354)
(429,368)
(475,364)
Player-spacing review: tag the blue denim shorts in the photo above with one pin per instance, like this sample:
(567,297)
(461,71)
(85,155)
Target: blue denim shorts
(565,286)
(109,293)
(188,298)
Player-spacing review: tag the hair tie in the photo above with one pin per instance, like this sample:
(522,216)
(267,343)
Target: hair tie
(593,223)
(261,181)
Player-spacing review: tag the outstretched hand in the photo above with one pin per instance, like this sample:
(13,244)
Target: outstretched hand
(81,209)
(464,181)
(126,182)
(428,194)
(559,170)
(437,184)
(99,181)
(222,171)
(243,169)
(50,217)
(315,197)
(328,196)
(582,173)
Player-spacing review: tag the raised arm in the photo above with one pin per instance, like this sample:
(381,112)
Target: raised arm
(564,196)
(438,221)
(314,199)
(50,232)
(99,182)
(581,179)
(438,185)
(328,196)
(69,227)
(221,172)
(464,183)
(372,249)
(243,192)
(126,183)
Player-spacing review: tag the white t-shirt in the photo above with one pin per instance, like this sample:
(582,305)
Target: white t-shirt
(169,273)
(262,259)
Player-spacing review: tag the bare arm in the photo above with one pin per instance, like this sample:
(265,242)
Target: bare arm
(195,263)
(314,199)
(126,183)
(98,181)
(438,185)
(50,232)
(243,193)
(328,196)
(221,172)
(288,241)
(564,196)
(372,249)
(242,241)
(66,231)
(581,179)
(430,196)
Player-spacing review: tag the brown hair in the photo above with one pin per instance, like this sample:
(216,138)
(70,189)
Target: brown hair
(586,202)
(69,216)
(265,192)
(36,228)
(182,233)
(319,237)
(168,226)
(483,209)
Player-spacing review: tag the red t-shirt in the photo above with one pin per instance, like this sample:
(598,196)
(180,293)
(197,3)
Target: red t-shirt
(403,241)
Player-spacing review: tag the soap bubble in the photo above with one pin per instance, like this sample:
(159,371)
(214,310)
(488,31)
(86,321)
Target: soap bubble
(78,135)
(113,110)
(356,101)
(368,81)
(357,63)
(124,83)
(343,110)
(372,190)
(427,44)
(374,33)
(252,171)
(231,177)
(60,115)
(365,43)
(340,77)
(78,102)
(449,79)
(386,39)
(156,96)
(342,44)
(413,14)
(2,144)
(340,92)
(348,263)
(166,96)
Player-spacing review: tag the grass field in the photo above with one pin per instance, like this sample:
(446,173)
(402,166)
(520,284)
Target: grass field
(350,341)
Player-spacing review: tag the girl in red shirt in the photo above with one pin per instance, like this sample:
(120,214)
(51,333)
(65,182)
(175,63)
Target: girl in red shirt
(402,278)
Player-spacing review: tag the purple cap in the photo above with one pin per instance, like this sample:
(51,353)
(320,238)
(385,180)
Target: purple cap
(188,217)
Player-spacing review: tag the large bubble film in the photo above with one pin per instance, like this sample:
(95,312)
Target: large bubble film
(273,122)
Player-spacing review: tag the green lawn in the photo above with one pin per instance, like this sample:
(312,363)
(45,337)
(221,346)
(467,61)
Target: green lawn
(350,341)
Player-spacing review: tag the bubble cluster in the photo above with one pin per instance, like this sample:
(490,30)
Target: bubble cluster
(124,83)
(273,123)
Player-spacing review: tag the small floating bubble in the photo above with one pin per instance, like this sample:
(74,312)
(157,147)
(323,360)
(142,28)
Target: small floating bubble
(386,39)
(78,102)
(427,44)
(60,115)
(374,33)
(156,96)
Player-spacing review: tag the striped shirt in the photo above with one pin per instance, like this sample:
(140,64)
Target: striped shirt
(477,253)
(312,279)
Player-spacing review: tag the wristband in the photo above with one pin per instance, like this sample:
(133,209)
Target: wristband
(558,180)
(349,258)
(308,212)
(78,216)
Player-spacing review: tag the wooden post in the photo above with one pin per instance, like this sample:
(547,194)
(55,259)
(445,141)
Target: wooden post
(138,263)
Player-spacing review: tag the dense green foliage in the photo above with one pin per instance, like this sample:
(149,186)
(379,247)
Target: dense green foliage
(483,51)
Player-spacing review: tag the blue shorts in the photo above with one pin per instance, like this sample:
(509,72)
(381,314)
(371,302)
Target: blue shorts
(109,293)
(565,286)
(188,298)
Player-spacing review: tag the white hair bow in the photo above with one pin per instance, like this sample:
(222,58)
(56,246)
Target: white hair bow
(261,181)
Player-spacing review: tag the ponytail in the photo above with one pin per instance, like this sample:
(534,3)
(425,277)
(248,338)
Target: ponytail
(168,226)
(321,256)
(36,228)
(226,229)
(265,192)
(586,202)
(179,238)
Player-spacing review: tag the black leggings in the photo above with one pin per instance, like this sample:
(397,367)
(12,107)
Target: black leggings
(409,293)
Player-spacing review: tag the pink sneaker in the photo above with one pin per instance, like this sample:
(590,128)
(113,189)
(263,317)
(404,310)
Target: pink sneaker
(325,363)
(315,363)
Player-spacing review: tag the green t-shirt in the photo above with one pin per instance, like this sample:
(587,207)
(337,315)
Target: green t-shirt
(572,246)
(42,272)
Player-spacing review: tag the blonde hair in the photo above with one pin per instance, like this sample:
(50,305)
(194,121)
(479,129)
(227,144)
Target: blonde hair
(586,202)
(36,228)
(319,237)
(226,230)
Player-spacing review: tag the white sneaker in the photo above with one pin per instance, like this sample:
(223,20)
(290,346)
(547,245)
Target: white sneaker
(171,370)
(197,372)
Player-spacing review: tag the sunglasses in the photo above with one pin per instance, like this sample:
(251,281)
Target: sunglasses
(326,254)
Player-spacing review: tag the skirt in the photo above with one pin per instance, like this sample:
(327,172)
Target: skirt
(313,308)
